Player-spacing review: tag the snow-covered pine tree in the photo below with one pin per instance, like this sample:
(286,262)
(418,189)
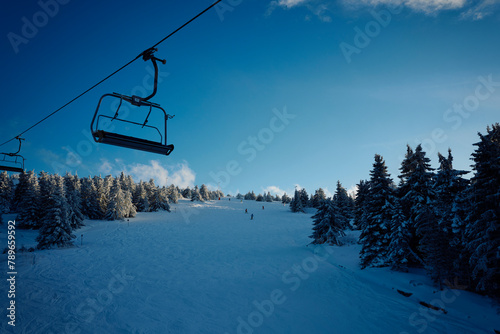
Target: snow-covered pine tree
(120,204)
(285,199)
(250,196)
(127,183)
(102,187)
(269,197)
(399,253)
(304,198)
(164,201)
(140,198)
(55,227)
(28,193)
(173,194)
(483,228)
(89,197)
(461,208)
(448,184)
(158,200)
(379,209)
(6,192)
(406,169)
(345,205)
(363,188)
(260,198)
(195,195)
(45,185)
(296,204)
(327,227)
(416,199)
(186,193)
(318,198)
(204,193)
(72,187)
(420,199)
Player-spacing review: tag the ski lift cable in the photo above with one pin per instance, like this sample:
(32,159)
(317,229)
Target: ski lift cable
(112,74)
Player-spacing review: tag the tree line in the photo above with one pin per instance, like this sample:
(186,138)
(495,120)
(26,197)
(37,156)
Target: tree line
(434,219)
(57,205)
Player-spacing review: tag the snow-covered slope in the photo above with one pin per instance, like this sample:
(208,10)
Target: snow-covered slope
(208,268)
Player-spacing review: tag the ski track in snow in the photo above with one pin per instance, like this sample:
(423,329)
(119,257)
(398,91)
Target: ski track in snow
(204,267)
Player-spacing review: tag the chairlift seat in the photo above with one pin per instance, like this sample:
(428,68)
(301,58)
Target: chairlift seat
(12,169)
(116,139)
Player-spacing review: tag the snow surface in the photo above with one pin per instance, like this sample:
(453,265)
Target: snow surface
(208,268)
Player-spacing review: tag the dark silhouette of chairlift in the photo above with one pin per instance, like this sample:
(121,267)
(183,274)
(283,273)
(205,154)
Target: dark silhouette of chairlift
(13,162)
(105,137)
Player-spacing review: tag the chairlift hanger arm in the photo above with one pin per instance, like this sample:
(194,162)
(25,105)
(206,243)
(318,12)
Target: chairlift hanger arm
(18,150)
(149,55)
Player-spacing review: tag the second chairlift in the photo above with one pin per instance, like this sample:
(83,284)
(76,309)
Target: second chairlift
(13,162)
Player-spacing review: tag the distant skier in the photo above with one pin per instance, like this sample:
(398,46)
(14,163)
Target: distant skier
(263,207)
(251,216)
(246,210)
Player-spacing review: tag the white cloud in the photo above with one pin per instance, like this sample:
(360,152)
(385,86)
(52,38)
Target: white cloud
(274,190)
(475,10)
(105,167)
(180,174)
(481,10)
(319,8)
(426,6)
(289,3)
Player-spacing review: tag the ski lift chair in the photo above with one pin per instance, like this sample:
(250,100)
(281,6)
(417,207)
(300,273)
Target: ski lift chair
(13,162)
(105,137)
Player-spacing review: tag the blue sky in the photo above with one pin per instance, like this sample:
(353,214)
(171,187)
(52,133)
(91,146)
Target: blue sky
(266,94)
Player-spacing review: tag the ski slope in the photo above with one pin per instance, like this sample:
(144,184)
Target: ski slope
(208,268)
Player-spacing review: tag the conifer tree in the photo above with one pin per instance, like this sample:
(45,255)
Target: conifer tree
(89,198)
(416,198)
(296,204)
(483,222)
(186,193)
(102,187)
(45,185)
(360,204)
(260,198)
(195,195)
(55,228)
(140,198)
(327,227)
(461,208)
(173,194)
(285,199)
(72,188)
(28,194)
(204,193)
(399,253)
(379,209)
(250,196)
(345,205)
(304,198)
(120,204)
(443,251)
(318,198)
(159,200)
(6,192)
